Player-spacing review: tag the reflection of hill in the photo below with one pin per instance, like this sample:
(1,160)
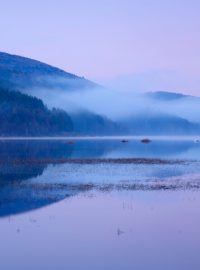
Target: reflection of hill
(20,172)
(13,198)
(15,154)
(157,149)
(35,149)
(21,161)
(17,197)
(94,148)
(54,150)
(22,151)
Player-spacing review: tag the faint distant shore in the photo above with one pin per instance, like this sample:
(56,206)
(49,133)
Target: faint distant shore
(111,137)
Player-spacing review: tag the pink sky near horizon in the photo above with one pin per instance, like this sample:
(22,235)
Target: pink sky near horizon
(147,45)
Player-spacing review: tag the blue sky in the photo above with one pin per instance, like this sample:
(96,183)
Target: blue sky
(154,45)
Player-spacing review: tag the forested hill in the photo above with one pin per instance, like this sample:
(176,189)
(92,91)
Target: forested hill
(24,74)
(23,115)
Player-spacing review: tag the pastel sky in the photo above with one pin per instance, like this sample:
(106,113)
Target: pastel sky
(144,44)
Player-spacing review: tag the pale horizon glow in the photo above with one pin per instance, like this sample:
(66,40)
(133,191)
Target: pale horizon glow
(142,45)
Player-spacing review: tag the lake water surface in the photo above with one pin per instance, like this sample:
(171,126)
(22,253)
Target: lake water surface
(99,203)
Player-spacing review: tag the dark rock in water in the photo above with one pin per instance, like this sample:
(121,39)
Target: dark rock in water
(70,142)
(146,140)
(124,141)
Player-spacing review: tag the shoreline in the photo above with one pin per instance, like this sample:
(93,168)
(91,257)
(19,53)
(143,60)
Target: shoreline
(117,137)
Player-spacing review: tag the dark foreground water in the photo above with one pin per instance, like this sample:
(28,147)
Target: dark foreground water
(100,204)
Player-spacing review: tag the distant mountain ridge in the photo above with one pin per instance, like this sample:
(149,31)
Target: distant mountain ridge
(165,96)
(25,75)
(161,124)
(162,113)
(22,73)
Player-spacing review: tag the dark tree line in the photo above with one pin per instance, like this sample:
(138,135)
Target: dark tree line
(23,115)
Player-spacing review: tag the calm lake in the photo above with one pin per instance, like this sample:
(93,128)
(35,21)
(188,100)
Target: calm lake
(106,203)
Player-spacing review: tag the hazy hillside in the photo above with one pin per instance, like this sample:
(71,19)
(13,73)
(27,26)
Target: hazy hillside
(156,113)
(23,74)
(31,76)
(160,124)
(165,96)
(24,115)
(89,123)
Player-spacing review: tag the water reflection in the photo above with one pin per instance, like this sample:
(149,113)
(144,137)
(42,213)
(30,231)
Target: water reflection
(96,148)
(32,176)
